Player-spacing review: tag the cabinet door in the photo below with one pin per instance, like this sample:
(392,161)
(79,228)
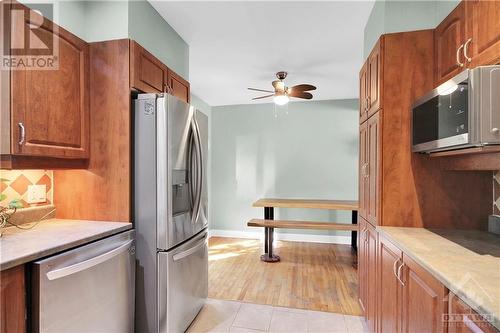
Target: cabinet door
(424,300)
(449,38)
(12,300)
(363,161)
(363,93)
(372,167)
(178,86)
(50,107)
(371,276)
(462,319)
(389,259)
(148,74)
(362,262)
(374,78)
(483,29)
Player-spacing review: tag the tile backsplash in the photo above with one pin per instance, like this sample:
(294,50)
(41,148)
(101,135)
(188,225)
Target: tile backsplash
(496,193)
(14,186)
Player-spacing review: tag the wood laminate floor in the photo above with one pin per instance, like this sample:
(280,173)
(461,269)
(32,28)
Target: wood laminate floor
(312,276)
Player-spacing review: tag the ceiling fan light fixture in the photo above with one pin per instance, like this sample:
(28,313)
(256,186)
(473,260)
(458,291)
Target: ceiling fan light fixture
(281,99)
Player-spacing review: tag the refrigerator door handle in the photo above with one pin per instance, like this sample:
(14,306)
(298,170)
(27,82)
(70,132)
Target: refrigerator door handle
(197,187)
(200,168)
(86,264)
(190,251)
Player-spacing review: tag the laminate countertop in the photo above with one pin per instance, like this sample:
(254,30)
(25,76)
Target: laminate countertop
(51,236)
(467,262)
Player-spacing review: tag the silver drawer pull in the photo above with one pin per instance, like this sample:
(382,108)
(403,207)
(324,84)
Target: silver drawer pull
(86,264)
(22,132)
(494,130)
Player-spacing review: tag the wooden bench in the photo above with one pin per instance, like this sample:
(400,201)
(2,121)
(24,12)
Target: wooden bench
(268,223)
(301,225)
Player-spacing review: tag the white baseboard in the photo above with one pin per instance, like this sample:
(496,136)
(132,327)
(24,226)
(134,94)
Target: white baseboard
(331,239)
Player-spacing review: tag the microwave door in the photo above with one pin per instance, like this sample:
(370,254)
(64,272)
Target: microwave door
(175,185)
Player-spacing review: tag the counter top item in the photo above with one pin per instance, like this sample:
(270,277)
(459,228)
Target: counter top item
(308,203)
(467,262)
(51,236)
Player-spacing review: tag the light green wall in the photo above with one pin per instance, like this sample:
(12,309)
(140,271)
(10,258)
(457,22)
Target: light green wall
(404,15)
(308,150)
(95,21)
(150,30)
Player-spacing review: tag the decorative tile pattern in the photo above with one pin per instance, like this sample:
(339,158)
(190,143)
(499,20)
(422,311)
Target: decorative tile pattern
(14,185)
(496,193)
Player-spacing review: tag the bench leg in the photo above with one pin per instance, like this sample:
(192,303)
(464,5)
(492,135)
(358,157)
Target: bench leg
(268,255)
(354,234)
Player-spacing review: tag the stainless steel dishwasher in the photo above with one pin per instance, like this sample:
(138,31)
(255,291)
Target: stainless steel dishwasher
(88,289)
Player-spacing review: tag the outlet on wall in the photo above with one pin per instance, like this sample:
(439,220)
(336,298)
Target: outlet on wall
(36,194)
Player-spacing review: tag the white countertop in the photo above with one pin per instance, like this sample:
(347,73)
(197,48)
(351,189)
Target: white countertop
(467,262)
(51,236)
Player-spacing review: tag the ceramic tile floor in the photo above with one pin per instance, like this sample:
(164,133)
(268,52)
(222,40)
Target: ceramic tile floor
(236,317)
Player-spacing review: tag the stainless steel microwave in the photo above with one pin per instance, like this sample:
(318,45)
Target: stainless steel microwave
(462,112)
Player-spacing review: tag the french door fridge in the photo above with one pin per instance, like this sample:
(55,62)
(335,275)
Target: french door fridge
(170,212)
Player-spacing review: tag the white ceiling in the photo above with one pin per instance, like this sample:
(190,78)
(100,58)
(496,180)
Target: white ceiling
(238,44)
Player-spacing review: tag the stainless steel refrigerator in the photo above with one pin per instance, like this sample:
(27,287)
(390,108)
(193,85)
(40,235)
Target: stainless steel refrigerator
(170,212)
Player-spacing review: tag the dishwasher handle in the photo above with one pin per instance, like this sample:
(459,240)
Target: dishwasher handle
(86,264)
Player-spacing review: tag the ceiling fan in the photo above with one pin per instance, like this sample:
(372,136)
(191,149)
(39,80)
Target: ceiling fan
(283,93)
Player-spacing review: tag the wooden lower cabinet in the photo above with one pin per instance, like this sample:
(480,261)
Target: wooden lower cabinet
(462,319)
(12,300)
(390,258)
(425,301)
(367,264)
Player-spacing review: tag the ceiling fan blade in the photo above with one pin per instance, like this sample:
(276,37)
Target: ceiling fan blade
(255,89)
(300,94)
(266,96)
(303,87)
(278,85)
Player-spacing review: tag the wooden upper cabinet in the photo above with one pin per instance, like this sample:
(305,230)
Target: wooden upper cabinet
(483,32)
(449,44)
(370,82)
(363,93)
(148,74)
(12,300)
(374,64)
(390,288)
(50,105)
(468,37)
(372,169)
(424,300)
(178,86)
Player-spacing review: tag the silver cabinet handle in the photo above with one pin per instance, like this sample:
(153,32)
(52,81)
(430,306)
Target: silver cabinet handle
(394,268)
(469,59)
(494,130)
(86,264)
(22,132)
(460,64)
(398,276)
(367,170)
